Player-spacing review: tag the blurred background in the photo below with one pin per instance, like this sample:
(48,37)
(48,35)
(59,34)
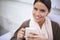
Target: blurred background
(14,12)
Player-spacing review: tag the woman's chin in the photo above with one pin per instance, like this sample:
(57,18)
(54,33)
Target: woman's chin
(37,20)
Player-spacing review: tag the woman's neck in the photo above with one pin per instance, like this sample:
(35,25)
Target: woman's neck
(41,23)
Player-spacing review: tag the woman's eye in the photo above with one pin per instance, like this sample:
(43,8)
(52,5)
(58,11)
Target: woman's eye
(35,8)
(42,10)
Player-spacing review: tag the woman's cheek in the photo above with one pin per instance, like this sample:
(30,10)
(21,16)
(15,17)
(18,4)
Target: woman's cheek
(44,15)
(34,14)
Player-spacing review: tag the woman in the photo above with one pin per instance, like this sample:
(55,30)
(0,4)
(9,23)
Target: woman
(41,22)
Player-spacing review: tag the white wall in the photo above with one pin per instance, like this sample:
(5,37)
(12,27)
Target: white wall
(13,14)
(56,4)
(55,15)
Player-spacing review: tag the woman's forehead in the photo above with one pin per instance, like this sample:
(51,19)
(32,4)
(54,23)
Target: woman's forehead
(40,5)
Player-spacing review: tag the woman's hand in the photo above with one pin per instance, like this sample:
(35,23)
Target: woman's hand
(34,36)
(20,34)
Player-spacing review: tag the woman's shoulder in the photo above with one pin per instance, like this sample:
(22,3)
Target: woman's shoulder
(56,30)
(55,27)
(25,24)
(54,23)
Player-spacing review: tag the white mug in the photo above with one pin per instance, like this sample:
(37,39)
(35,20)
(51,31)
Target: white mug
(28,30)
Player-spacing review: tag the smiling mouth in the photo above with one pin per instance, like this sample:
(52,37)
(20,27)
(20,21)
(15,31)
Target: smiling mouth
(37,17)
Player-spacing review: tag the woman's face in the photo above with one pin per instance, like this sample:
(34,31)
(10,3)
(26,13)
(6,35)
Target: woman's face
(40,11)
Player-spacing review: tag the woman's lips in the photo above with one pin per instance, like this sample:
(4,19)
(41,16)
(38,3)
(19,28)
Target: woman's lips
(37,17)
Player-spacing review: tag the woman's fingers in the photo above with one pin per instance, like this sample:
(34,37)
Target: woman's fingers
(36,36)
(33,33)
(23,30)
(20,33)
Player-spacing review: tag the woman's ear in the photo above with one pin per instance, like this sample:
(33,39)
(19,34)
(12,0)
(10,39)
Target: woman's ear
(49,11)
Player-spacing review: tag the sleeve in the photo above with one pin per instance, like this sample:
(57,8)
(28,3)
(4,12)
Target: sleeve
(24,25)
(58,32)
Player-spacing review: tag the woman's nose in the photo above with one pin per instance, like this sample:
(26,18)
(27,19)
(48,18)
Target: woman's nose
(37,13)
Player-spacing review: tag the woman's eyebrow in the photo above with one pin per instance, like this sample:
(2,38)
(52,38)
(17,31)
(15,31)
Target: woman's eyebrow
(35,8)
(42,10)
